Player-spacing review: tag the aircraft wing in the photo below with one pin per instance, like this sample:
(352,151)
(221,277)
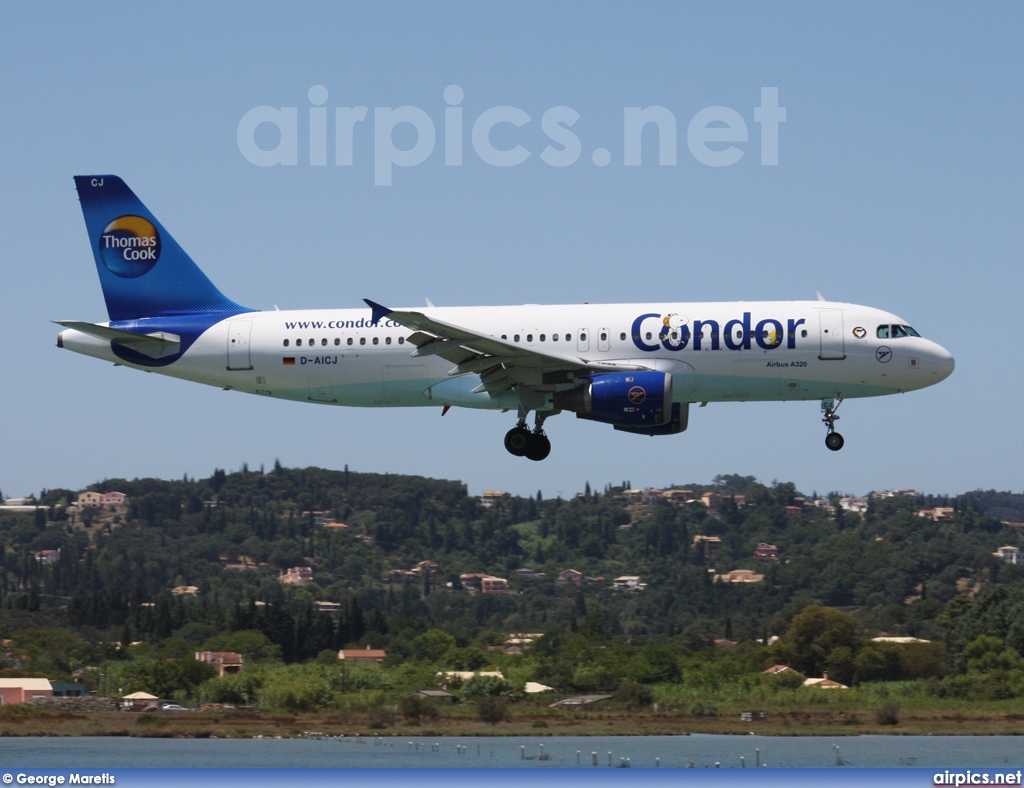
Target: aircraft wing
(499,363)
(155,345)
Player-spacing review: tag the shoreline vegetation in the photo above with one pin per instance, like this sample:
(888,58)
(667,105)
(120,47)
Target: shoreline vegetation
(20,720)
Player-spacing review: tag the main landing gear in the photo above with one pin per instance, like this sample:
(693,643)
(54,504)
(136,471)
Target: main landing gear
(523,443)
(833,440)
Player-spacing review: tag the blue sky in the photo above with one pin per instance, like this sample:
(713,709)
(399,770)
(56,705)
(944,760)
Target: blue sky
(899,185)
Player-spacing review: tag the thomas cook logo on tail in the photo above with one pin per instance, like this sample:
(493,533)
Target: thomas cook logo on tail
(130,246)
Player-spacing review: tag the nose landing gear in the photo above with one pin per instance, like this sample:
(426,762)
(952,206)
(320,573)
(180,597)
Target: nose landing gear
(833,440)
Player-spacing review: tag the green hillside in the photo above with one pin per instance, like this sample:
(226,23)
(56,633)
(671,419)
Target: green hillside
(197,564)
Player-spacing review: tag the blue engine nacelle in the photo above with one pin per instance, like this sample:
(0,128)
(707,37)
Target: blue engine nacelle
(633,400)
(676,424)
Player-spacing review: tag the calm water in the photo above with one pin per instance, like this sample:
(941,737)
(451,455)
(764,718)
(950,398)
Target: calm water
(530,752)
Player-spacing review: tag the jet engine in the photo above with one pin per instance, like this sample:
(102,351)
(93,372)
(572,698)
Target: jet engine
(638,402)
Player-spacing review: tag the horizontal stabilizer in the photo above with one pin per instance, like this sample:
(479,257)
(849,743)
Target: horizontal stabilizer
(155,345)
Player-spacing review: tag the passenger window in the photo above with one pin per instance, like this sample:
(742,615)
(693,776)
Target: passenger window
(504,336)
(401,340)
(542,337)
(350,340)
(554,337)
(515,338)
(387,341)
(337,341)
(568,337)
(604,336)
(649,335)
(286,343)
(312,342)
(622,336)
(362,340)
(804,333)
(375,340)
(529,337)
(298,343)
(583,337)
(324,341)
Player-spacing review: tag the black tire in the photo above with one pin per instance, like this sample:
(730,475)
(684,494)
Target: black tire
(518,441)
(539,449)
(834,441)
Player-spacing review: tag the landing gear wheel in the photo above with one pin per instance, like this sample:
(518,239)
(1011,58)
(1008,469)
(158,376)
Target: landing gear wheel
(518,440)
(833,440)
(539,447)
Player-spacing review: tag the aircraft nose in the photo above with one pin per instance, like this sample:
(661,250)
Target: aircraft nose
(943,363)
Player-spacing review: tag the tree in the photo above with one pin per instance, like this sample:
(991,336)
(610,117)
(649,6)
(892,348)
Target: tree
(988,654)
(634,696)
(654,666)
(814,634)
(296,688)
(52,651)
(416,707)
(492,709)
(486,686)
(432,645)
(252,644)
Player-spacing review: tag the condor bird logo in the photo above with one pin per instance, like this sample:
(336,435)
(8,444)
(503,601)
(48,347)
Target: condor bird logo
(636,395)
(129,246)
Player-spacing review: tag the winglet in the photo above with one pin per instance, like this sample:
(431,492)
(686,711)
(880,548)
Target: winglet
(378,311)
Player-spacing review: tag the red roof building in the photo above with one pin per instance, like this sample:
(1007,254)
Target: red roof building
(367,655)
(227,663)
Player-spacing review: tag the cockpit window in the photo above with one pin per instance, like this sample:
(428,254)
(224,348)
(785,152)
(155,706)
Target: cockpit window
(896,332)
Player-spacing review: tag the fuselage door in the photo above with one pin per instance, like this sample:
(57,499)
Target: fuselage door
(833,345)
(239,332)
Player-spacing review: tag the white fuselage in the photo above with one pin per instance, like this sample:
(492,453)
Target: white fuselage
(735,351)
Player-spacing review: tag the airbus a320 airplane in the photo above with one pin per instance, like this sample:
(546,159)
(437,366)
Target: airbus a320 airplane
(637,367)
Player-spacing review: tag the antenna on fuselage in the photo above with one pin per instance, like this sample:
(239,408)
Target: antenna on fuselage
(820,296)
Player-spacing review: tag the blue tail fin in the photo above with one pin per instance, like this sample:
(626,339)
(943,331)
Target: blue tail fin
(143,271)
